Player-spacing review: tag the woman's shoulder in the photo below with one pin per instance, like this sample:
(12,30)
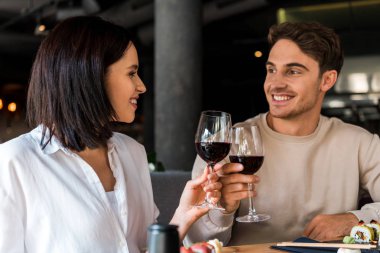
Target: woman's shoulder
(16,156)
(129,148)
(125,141)
(18,146)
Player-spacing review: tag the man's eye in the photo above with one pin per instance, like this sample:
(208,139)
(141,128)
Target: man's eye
(270,70)
(294,72)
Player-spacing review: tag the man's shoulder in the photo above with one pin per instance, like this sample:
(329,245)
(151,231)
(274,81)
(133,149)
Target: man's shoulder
(256,120)
(334,123)
(337,128)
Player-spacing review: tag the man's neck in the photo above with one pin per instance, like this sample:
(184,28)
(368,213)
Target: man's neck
(295,126)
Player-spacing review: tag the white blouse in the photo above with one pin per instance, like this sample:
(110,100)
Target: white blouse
(111,196)
(52,201)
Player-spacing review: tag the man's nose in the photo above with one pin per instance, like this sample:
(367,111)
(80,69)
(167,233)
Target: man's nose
(276,80)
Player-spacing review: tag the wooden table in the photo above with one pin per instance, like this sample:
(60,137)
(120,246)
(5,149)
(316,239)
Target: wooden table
(252,248)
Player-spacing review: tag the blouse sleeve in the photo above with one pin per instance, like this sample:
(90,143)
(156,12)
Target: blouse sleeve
(11,223)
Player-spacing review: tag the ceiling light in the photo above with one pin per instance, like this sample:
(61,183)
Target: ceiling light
(41,28)
(12,107)
(258,54)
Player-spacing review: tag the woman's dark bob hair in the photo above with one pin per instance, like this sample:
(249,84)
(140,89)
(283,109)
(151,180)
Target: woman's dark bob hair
(67,94)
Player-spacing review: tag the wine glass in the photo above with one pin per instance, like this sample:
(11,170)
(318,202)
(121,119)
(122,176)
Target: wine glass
(213,142)
(247,149)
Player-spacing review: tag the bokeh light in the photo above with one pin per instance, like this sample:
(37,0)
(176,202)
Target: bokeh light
(258,54)
(12,107)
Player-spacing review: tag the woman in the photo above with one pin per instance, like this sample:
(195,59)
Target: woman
(71,184)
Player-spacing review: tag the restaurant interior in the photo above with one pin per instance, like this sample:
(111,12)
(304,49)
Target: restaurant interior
(233,53)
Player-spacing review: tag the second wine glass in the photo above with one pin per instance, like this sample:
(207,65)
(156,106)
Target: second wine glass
(247,149)
(213,142)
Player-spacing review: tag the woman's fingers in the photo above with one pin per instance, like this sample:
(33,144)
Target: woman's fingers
(214,196)
(199,181)
(216,186)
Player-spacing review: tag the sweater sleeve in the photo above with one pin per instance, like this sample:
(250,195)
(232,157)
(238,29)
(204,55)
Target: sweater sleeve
(213,225)
(369,166)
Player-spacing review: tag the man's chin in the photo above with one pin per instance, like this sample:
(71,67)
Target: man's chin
(277,114)
(280,115)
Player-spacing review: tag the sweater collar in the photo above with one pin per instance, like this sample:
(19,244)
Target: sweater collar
(284,137)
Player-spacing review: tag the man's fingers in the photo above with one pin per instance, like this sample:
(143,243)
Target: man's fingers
(316,235)
(307,232)
(229,168)
(218,168)
(239,178)
(237,196)
(309,228)
(234,188)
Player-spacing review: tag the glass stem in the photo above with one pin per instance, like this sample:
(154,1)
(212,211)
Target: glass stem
(210,171)
(252,210)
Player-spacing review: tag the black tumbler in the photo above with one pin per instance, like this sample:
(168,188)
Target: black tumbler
(163,239)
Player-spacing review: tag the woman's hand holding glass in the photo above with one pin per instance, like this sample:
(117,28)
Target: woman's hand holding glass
(213,142)
(196,190)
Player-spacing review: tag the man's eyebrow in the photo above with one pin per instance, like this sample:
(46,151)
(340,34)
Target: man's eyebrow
(296,64)
(292,64)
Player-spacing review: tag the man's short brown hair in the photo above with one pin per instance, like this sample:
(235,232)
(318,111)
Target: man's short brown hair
(317,41)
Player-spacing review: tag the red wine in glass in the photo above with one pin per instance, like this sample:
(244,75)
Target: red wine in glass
(212,152)
(212,143)
(251,164)
(247,148)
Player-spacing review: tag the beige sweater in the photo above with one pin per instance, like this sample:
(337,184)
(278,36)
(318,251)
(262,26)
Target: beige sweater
(301,177)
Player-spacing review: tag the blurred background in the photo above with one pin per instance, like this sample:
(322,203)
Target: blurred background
(196,55)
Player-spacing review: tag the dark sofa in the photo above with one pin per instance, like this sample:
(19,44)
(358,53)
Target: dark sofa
(167,190)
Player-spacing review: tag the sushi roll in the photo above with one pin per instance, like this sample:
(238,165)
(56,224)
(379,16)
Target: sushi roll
(362,233)
(212,246)
(376,227)
(218,245)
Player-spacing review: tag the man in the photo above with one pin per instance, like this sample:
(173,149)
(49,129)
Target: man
(314,168)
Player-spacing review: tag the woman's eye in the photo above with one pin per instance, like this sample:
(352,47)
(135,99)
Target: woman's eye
(132,74)
(270,70)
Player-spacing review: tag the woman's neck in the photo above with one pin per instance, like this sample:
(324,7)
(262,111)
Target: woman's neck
(98,159)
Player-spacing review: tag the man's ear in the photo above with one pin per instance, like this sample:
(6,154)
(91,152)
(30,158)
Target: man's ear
(328,80)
